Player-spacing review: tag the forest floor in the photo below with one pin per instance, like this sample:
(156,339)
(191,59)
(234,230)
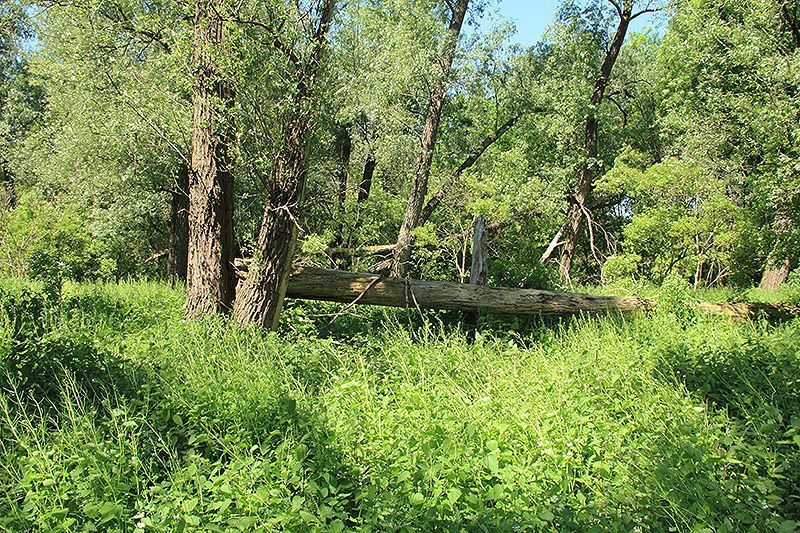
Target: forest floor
(117,414)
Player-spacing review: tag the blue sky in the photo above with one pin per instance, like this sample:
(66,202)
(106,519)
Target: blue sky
(531,17)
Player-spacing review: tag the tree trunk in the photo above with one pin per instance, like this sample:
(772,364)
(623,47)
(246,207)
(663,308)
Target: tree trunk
(775,275)
(372,289)
(344,147)
(419,186)
(583,194)
(210,274)
(366,180)
(576,213)
(8,185)
(260,300)
(479,268)
(178,255)
(478,272)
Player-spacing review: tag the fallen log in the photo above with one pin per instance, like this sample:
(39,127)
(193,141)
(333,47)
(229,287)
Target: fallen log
(372,289)
(751,310)
(345,287)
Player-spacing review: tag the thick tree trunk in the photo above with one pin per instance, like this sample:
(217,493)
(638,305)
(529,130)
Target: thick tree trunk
(261,297)
(366,179)
(178,254)
(210,274)
(775,275)
(583,193)
(373,289)
(419,185)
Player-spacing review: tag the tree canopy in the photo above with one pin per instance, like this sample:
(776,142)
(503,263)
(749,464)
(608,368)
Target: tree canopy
(672,147)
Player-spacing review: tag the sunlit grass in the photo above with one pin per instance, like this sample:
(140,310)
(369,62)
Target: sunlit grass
(117,413)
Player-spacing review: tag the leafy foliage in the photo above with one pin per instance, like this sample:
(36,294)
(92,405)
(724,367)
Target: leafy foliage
(117,414)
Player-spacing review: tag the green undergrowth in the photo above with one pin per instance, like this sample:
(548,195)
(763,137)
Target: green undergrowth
(788,293)
(116,414)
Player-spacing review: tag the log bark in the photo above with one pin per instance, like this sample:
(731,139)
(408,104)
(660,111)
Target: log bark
(345,287)
(430,130)
(210,275)
(178,253)
(373,289)
(261,297)
(336,286)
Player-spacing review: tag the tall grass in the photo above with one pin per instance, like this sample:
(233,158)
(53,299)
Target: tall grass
(116,414)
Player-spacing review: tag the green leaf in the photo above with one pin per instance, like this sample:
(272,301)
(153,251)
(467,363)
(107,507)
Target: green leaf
(297,502)
(453,495)
(492,463)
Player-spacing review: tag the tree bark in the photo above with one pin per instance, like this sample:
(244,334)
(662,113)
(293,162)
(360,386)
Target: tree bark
(419,185)
(178,255)
(210,274)
(261,298)
(372,289)
(585,187)
(344,148)
(366,179)
(775,275)
(479,270)
(8,185)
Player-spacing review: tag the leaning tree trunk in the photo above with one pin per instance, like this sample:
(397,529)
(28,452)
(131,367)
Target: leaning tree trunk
(419,186)
(178,254)
(210,274)
(260,299)
(576,212)
(366,179)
